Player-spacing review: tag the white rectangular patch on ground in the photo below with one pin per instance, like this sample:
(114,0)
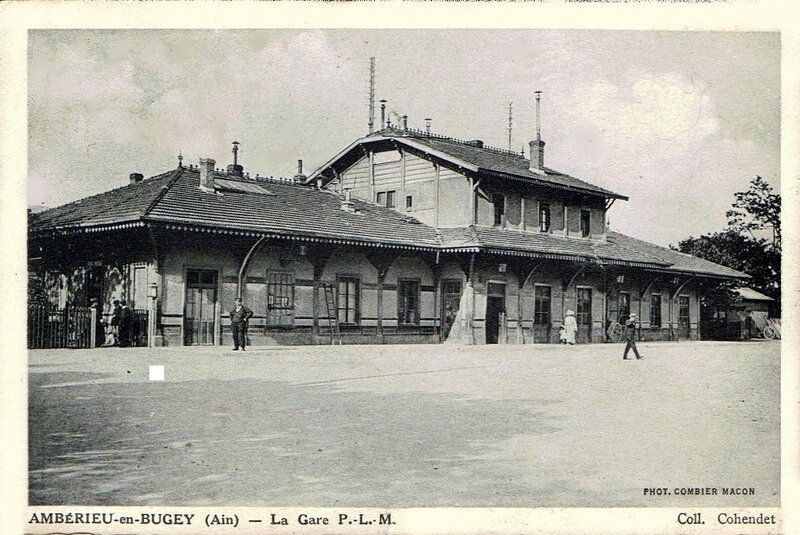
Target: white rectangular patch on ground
(156,373)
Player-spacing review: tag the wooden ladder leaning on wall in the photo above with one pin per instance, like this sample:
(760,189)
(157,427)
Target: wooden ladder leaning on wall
(330,306)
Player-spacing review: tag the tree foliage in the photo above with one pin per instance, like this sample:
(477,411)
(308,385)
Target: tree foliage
(739,246)
(757,209)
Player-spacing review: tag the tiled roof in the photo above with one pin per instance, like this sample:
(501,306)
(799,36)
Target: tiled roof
(477,158)
(293,209)
(752,295)
(302,211)
(127,203)
(678,261)
(617,248)
(506,162)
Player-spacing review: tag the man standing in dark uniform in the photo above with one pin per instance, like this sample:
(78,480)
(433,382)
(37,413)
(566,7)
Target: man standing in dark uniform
(630,337)
(239,316)
(125,325)
(116,314)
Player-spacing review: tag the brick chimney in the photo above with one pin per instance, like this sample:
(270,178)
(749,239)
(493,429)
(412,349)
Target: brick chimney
(537,145)
(136,178)
(207,174)
(300,177)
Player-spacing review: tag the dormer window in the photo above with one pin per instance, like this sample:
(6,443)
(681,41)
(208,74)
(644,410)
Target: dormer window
(544,217)
(499,202)
(586,222)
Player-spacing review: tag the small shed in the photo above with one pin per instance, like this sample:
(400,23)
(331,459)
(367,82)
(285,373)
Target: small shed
(753,309)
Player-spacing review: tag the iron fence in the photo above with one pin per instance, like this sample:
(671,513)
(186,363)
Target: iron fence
(50,327)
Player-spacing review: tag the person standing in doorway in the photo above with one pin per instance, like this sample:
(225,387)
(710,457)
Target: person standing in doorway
(125,324)
(630,338)
(116,314)
(570,328)
(239,317)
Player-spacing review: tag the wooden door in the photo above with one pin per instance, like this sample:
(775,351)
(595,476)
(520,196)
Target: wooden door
(495,307)
(451,301)
(684,323)
(201,300)
(583,315)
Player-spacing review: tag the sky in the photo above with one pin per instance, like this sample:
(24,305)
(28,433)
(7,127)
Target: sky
(677,121)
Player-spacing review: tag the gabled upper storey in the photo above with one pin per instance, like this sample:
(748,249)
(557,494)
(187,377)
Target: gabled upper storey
(447,182)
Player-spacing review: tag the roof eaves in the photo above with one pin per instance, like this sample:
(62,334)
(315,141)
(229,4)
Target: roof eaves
(600,192)
(438,153)
(291,234)
(313,176)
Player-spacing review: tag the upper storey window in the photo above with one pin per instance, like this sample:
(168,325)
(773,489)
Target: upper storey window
(499,202)
(544,217)
(386,198)
(586,222)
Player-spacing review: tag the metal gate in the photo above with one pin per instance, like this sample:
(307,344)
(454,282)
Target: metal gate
(50,327)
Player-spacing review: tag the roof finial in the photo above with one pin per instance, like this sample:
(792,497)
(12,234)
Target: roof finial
(235,152)
(180,159)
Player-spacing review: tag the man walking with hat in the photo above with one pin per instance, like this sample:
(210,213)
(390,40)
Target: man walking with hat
(630,338)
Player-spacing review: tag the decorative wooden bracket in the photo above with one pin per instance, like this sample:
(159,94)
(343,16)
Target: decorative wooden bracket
(565,286)
(648,287)
(682,285)
(246,264)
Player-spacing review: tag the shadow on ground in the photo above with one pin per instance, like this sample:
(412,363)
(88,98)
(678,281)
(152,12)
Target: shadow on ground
(258,443)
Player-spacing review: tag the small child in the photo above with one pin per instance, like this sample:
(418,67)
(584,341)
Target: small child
(562,335)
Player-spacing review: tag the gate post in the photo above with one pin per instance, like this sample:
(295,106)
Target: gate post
(217,324)
(93,329)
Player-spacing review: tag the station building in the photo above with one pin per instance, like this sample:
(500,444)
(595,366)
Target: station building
(403,237)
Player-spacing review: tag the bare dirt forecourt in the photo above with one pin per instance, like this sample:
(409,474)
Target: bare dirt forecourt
(693,424)
(402,237)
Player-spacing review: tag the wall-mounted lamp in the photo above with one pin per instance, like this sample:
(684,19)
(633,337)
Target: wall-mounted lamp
(620,279)
(302,250)
(501,268)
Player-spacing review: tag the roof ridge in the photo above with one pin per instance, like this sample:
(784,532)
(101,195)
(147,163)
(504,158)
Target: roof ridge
(102,193)
(421,134)
(176,174)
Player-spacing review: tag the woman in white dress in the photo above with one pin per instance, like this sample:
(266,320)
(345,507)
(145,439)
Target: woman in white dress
(570,327)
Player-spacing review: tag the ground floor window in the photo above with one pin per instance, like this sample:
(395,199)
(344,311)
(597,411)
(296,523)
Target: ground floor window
(347,300)
(624,302)
(542,305)
(280,299)
(655,310)
(683,310)
(408,301)
(584,306)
